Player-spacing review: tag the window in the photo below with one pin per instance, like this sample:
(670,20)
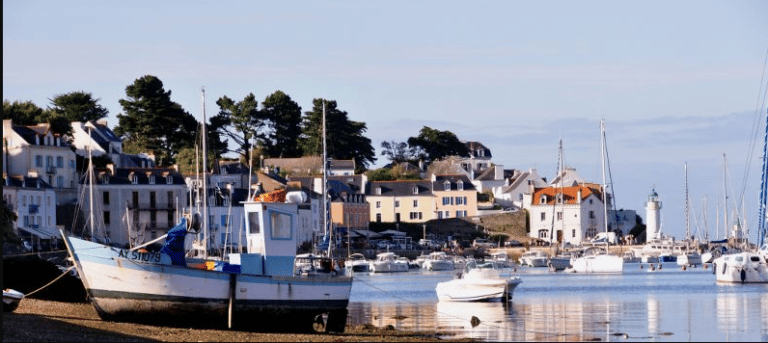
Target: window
(169,195)
(415,190)
(105,179)
(459,200)
(543,199)
(169,180)
(223,220)
(153,219)
(378,217)
(378,190)
(72,164)
(439,214)
(152,199)
(135,199)
(378,204)
(60,181)
(135,180)
(151,179)
(23,200)
(170,218)
(574,233)
(460,214)
(281,225)
(48,161)
(559,215)
(397,203)
(447,186)
(447,214)
(415,203)
(415,215)
(592,214)
(106,218)
(105,198)
(460,185)
(253,222)
(446,200)
(543,233)
(543,216)
(60,162)
(38,160)
(559,198)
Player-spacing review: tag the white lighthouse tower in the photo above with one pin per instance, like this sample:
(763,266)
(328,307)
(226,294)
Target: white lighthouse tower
(653,216)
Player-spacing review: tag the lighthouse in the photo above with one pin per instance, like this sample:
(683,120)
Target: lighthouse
(653,216)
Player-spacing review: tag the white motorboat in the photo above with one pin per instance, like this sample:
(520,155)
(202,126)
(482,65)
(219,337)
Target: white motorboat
(598,263)
(387,262)
(690,258)
(438,260)
(11,299)
(502,258)
(560,261)
(534,259)
(743,267)
(419,260)
(357,263)
(480,281)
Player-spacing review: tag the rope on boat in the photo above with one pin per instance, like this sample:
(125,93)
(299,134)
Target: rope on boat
(542,334)
(48,284)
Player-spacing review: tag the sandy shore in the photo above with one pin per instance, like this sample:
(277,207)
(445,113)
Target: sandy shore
(52,321)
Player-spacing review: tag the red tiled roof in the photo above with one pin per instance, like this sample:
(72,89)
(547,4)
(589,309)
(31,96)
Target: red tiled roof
(570,193)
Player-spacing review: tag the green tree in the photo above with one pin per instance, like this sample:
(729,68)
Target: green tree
(188,160)
(431,145)
(240,121)
(397,151)
(23,113)
(78,106)
(153,123)
(284,117)
(344,138)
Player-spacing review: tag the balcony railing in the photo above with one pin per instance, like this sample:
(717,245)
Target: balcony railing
(148,207)
(50,170)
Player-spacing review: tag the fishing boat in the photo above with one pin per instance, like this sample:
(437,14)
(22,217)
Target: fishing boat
(11,299)
(438,260)
(743,267)
(480,281)
(262,288)
(388,262)
(602,261)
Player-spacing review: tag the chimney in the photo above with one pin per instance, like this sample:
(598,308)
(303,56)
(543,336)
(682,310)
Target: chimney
(111,167)
(578,196)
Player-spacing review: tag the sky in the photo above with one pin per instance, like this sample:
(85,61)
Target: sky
(677,82)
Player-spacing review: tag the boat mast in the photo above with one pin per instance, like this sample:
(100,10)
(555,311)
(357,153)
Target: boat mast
(90,182)
(328,232)
(762,227)
(687,222)
(605,186)
(205,186)
(725,195)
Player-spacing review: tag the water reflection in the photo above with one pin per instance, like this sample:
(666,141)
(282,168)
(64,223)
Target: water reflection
(738,318)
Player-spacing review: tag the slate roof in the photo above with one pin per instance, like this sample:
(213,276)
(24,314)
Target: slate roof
(26,181)
(399,188)
(454,180)
(475,146)
(122,176)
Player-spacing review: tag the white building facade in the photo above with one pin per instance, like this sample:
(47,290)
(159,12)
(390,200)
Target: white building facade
(567,214)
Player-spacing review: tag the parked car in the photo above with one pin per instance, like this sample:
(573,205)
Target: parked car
(483,243)
(513,243)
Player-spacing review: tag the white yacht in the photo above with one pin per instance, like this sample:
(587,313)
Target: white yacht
(438,260)
(480,281)
(357,263)
(743,267)
(387,262)
(534,259)
(503,259)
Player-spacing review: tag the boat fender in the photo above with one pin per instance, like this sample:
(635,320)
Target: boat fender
(725,266)
(743,276)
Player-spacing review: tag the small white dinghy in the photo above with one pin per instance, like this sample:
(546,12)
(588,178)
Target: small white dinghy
(480,281)
(11,299)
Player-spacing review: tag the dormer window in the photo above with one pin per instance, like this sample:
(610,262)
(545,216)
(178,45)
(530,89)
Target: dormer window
(151,179)
(415,190)
(135,179)
(169,180)
(543,199)
(105,179)
(460,185)
(447,185)
(378,190)
(560,198)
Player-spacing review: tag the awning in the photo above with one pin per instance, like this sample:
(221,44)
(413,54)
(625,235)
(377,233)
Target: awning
(43,233)
(366,233)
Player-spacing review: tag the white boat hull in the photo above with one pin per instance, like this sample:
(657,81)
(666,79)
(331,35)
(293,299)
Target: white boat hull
(559,263)
(598,264)
(689,259)
(476,290)
(132,285)
(438,265)
(536,261)
(740,268)
(389,267)
(11,299)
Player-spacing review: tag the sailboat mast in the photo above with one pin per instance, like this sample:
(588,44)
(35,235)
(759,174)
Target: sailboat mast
(687,222)
(326,227)
(90,183)
(602,160)
(205,186)
(725,197)
(762,225)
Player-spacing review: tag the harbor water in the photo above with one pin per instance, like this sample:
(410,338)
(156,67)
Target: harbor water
(661,305)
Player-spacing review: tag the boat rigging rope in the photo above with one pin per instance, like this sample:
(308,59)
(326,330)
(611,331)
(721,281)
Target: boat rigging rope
(48,284)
